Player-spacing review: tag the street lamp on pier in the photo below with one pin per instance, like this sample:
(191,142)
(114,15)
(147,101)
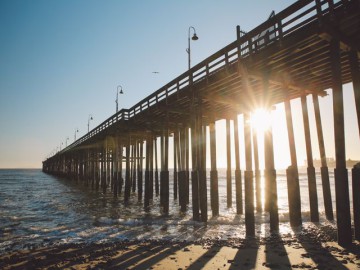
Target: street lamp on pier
(89,119)
(194,37)
(117,96)
(76,131)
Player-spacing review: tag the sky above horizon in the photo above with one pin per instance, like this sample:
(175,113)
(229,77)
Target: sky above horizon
(63,60)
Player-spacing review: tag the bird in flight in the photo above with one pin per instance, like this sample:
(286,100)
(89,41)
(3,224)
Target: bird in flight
(155,72)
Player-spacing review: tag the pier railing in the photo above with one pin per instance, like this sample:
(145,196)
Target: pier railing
(279,26)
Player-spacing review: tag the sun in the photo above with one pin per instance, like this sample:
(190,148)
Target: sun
(260,120)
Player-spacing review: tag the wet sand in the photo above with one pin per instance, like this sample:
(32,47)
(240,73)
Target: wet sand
(310,248)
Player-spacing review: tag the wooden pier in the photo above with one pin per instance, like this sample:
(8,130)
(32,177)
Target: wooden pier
(311,46)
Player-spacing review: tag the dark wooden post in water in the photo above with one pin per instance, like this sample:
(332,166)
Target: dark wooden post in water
(127,173)
(176,156)
(292,173)
(151,168)
(182,181)
(134,161)
(156,169)
(115,166)
(202,171)
(270,175)
(92,167)
(249,186)
(164,174)
(324,168)
(228,159)
(356,199)
(187,162)
(108,171)
(140,169)
(147,175)
(214,186)
(86,167)
(355,74)
(238,180)
(97,170)
(257,172)
(121,180)
(314,211)
(194,172)
(177,164)
(341,173)
(103,170)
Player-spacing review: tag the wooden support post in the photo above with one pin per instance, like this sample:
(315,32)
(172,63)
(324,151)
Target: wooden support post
(257,173)
(86,167)
(107,168)
(178,163)
(228,171)
(175,186)
(181,148)
(91,168)
(156,169)
(270,178)
(116,167)
(162,150)
(249,186)
(202,172)
(341,173)
(127,173)
(94,166)
(238,180)
(356,199)
(187,162)
(147,176)
(140,169)
(292,173)
(214,186)
(355,75)
(151,168)
(194,172)
(110,168)
(131,164)
(314,211)
(121,180)
(103,170)
(134,162)
(324,168)
(98,171)
(164,174)
(78,167)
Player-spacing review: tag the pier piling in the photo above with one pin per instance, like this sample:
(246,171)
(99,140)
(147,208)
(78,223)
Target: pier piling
(249,180)
(292,173)
(238,180)
(341,174)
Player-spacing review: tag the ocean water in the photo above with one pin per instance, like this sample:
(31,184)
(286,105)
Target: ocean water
(38,209)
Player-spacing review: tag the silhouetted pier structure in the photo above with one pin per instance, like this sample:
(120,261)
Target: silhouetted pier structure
(310,46)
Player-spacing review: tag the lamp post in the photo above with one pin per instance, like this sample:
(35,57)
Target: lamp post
(194,37)
(89,119)
(76,131)
(117,95)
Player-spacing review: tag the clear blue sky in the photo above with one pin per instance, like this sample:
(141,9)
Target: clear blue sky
(62,60)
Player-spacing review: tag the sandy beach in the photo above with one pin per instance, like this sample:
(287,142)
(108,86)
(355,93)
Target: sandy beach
(310,248)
